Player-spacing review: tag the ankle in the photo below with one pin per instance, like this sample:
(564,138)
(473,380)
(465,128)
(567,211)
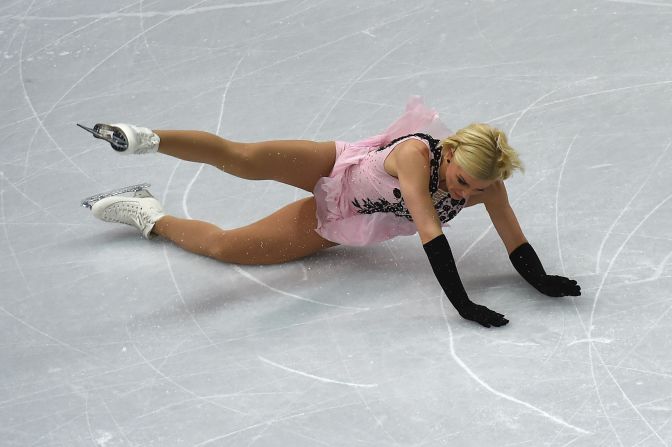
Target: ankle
(161,225)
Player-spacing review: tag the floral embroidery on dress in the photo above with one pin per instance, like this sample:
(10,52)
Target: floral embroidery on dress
(446,207)
(368,206)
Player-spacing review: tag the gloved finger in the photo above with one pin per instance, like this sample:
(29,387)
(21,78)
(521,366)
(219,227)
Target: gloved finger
(494,316)
(500,322)
(491,315)
(573,288)
(572,284)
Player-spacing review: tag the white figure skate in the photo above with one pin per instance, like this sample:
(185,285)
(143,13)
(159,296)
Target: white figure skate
(126,138)
(89,201)
(141,210)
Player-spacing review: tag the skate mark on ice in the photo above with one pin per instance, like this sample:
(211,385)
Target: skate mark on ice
(591,340)
(299,54)
(523,112)
(60,38)
(10,246)
(592,318)
(641,2)
(116,423)
(557,200)
(527,109)
(589,337)
(226,91)
(179,293)
(349,86)
(600,166)
(150,14)
(144,38)
(605,92)
(272,421)
(657,273)
(291,295)
(379,422)
(40,123)
(318,378)
(183,388)
(33,328)
(473,375)
(573,98)
(109,56)
(651,171)
(644,335)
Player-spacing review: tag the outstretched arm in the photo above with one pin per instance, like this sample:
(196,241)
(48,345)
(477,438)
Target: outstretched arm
(443,264)
(413,172)
(522,255)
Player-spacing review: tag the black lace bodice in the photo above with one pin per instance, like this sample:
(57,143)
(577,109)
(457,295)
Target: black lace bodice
(446,207)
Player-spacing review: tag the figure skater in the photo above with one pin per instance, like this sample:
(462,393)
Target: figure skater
(398,183)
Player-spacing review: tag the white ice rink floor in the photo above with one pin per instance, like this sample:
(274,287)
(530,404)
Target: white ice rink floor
(107,339)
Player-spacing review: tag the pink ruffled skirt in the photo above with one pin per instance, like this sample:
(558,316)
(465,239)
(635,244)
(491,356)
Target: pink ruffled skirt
(337,220)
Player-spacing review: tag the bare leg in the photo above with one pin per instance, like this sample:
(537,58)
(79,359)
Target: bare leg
(283,236)
(299,163)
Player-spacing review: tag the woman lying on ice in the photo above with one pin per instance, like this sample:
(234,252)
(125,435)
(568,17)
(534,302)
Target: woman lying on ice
(398,183)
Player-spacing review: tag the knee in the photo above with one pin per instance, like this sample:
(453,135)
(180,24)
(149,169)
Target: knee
(226,246)
(243,160)
(217,246)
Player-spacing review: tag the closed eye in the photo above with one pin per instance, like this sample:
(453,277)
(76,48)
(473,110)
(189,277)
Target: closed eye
(463,182)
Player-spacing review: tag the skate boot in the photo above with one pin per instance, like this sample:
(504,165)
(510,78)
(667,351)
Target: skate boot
(141,211)
(126,138)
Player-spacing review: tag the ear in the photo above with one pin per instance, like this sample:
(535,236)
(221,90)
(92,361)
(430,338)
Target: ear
(448,155)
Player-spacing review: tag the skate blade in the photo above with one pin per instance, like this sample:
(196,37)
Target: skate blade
(140,190)
(109,134)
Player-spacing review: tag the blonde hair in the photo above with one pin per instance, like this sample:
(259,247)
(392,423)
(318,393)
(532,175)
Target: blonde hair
(484,152)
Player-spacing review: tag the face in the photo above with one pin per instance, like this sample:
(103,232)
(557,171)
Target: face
(459,184)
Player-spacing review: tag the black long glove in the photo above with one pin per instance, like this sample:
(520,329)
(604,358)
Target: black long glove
(527,263)
(441,258)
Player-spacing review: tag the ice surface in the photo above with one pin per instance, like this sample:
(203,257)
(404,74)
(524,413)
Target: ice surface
(110,340)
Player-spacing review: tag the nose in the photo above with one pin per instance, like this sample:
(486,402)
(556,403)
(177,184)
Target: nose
(462,193)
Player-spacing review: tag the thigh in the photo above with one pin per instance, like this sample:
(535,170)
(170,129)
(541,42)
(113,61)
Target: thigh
(299,163)
(285,235)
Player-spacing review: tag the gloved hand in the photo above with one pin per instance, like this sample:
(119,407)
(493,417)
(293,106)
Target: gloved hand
(527,263)
(443,264)
(481,315)
(553,285)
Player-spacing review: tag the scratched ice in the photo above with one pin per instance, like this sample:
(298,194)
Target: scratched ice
(110,340)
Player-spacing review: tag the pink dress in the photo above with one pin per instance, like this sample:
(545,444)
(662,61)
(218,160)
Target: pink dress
(361,204)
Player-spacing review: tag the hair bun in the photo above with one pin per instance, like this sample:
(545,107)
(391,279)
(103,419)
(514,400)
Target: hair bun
(484,152)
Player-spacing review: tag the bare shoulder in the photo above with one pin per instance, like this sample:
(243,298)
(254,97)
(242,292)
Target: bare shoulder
(409,150)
